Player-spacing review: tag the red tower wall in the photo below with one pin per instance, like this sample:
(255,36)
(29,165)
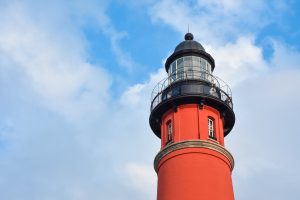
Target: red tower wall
(190,123)
(194,173)
(193,166)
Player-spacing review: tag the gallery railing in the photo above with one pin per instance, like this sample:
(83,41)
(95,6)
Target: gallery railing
(191,82)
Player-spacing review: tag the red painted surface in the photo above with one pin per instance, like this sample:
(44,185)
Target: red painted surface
(193,173)
(190,123)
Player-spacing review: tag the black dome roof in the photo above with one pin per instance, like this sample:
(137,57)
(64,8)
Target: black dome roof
(189,47)
(189,43)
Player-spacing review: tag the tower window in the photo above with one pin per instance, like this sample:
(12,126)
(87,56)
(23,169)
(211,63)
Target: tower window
(211,128)
(170,131)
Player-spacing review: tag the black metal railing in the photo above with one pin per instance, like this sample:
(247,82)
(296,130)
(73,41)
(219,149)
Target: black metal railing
(191,82)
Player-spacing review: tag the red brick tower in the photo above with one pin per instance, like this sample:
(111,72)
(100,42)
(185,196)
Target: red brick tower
(191,111)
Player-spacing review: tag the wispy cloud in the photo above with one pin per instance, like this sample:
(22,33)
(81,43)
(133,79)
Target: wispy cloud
(216,22)
(57,126)
(53,64)
(142,178)
(239,61)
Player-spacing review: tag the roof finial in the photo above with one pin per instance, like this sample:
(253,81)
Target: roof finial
(188,36)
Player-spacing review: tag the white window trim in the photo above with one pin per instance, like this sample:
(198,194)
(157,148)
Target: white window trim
(211,128)
(169,131)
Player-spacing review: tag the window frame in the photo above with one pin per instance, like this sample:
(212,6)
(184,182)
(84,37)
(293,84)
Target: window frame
(169,126)
(211,127)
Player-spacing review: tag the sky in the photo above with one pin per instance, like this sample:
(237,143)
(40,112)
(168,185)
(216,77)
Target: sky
(75,85)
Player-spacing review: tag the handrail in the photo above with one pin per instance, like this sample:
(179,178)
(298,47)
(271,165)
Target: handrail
(214,83)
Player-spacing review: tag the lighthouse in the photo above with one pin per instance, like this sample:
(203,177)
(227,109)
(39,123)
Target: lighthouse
(192,112)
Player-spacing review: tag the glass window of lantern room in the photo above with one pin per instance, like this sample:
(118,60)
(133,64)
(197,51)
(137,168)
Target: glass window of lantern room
(179,63)
(203,73)
(196,63)
(208,67)
(170,131)
(188,68)
(208,72)
(173,72)
(173,67)
(190,73)
(211,128)
(196,67)
(202,64)
(187,61)
(180,69)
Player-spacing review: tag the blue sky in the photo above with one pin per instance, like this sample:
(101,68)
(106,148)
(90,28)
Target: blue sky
(75,85)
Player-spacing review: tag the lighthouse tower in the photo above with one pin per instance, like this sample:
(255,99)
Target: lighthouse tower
(191,111)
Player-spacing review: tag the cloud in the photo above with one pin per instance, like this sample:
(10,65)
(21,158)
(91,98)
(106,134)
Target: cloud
(266,110)
(284,56)
(239,60)
(124,59)
(226,5)
(216,22)
(141,93)
(60,129)
(51,99)
(53,64)
(143,179)
(57,137)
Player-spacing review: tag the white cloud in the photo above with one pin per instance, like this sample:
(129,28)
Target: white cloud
(284,56)
(216,22)
(166,10)
(143,179)
(57,131)
(242,9)
(238,61)
(141,93)
(265,135)
(96,13)
(53,64)
(132,95)
(266,110)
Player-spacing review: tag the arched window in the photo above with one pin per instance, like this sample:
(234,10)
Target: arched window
(170,131)
(211,128)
